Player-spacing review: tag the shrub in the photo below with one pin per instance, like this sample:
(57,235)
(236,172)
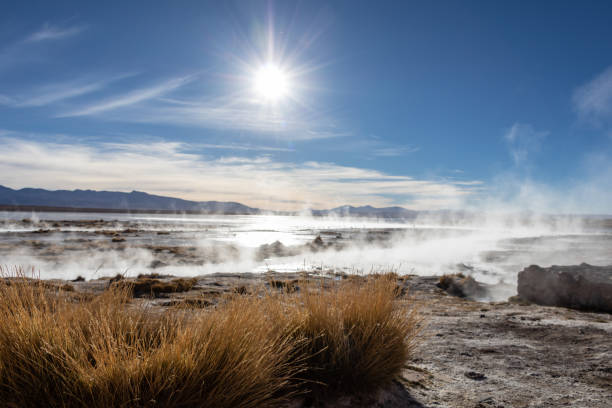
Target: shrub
(250,351)
(98,354)
(355,338)
(447,280)
(285,285)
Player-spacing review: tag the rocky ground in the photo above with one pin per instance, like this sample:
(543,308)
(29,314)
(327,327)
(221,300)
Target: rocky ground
(473,354)
(509,355)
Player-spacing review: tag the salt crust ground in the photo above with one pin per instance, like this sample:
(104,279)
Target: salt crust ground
(474,354)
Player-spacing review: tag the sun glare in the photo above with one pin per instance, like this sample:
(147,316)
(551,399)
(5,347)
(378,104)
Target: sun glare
(271,83)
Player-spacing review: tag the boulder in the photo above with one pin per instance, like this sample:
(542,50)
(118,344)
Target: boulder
(318,242)
(275,249)
(462,286)
(583,286)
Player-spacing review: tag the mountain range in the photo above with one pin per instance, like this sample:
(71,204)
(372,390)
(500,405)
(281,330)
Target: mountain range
(137,201)
(113,200)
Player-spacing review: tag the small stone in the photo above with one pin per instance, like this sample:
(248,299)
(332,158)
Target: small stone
(473,375)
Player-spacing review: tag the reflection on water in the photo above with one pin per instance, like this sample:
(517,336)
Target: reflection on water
(92,244)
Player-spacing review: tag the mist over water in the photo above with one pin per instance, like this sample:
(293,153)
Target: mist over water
(491,248)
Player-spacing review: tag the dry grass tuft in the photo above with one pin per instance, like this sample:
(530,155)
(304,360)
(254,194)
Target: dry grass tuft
(447,280)
(250,351)
(198,302)
(240,290)
(357,338)
(288,286)
(155,287)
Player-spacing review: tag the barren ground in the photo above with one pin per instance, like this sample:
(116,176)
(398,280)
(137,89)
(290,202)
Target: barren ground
(473,354)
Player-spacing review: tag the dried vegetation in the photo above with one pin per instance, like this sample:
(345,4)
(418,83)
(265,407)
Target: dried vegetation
(252,350)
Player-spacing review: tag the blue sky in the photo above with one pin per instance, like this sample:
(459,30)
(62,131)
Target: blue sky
(422,104)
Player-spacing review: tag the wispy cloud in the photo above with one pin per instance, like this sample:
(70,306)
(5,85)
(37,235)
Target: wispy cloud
(523,140)
(130,98)
(51,32)
(245,147)
(60,92)
(28,49)
(235,113)
(55,92)
(394,151)
(167,168)
(593,100)
(205,146)
(231,112)
(6,100)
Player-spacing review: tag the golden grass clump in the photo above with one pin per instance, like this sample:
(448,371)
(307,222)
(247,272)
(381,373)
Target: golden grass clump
(447,280)
(153,287)
(251,351)
(357,337)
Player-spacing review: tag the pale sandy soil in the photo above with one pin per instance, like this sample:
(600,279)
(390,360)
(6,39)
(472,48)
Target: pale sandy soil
(474,354)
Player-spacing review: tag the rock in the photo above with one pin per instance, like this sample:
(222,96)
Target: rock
(188,303)
(462,286)
(117,278)
(473,375)
(318,241)
(156,263)
(581,286)
(463,267)
(275,249)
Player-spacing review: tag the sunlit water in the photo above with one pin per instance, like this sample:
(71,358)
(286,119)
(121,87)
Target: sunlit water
(492,251)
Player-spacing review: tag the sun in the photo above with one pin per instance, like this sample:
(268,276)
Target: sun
(271,83)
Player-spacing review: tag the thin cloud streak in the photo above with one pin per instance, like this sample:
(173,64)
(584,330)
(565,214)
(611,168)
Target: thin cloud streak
(57,92)
(195,146)
(27,50)
(50,32)
(6,100)
(239,114)
(245,147)
(61,93)
(131,98)
(395,151)
(166,168)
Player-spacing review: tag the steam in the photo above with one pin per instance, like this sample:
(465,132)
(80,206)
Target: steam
(589,191)
(492,248)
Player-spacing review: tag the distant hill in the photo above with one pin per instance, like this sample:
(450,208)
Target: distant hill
(113,200)
(368,211)
(80,200)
